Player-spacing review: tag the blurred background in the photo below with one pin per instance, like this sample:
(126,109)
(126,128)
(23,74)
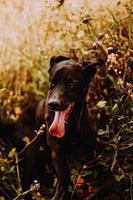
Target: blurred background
(32,31)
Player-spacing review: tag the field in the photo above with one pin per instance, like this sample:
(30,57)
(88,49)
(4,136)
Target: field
(30,33)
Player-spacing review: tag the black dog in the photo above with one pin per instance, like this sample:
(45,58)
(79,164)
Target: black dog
(69,127)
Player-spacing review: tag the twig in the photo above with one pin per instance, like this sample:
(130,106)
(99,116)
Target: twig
(75,186)
(17,169)
(23,194)
(39,132)
(131,187)
(5,190)
(56,192)
(98,190)
(92,163)
(35,188)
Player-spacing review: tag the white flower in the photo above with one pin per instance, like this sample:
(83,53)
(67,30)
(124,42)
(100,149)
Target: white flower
(80,34)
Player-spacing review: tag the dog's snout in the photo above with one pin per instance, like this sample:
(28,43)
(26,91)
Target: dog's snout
(53,105)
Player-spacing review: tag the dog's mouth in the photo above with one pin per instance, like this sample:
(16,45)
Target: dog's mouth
(57,128)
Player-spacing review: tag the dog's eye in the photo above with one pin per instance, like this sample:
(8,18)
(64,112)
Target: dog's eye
(52,84)
(71,85)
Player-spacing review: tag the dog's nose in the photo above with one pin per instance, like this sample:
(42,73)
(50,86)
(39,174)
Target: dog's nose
(53,105)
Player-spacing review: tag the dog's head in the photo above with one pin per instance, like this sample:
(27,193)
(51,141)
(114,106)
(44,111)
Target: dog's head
(69,82)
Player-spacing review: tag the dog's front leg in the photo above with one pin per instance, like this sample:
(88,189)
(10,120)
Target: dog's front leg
(62,173)
(60,167)
(59,163)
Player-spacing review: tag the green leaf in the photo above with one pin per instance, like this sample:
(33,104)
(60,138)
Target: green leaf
(101,104)
(102,132)
(2,198)
(2,168)
(115,107)
(111,78)
(26,140)
(118,178)
(12,153)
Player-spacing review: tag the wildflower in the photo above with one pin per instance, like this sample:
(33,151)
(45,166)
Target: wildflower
(80,181)
(91,189)
(80,34)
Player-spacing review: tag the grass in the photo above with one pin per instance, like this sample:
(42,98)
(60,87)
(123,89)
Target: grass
(33,32)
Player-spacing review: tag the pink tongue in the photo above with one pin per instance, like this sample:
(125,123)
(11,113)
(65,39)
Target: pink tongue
(57,128)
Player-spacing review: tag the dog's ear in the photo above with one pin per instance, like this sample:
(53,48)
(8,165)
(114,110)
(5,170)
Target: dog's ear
(40,119)
(91,66)
(56,59)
